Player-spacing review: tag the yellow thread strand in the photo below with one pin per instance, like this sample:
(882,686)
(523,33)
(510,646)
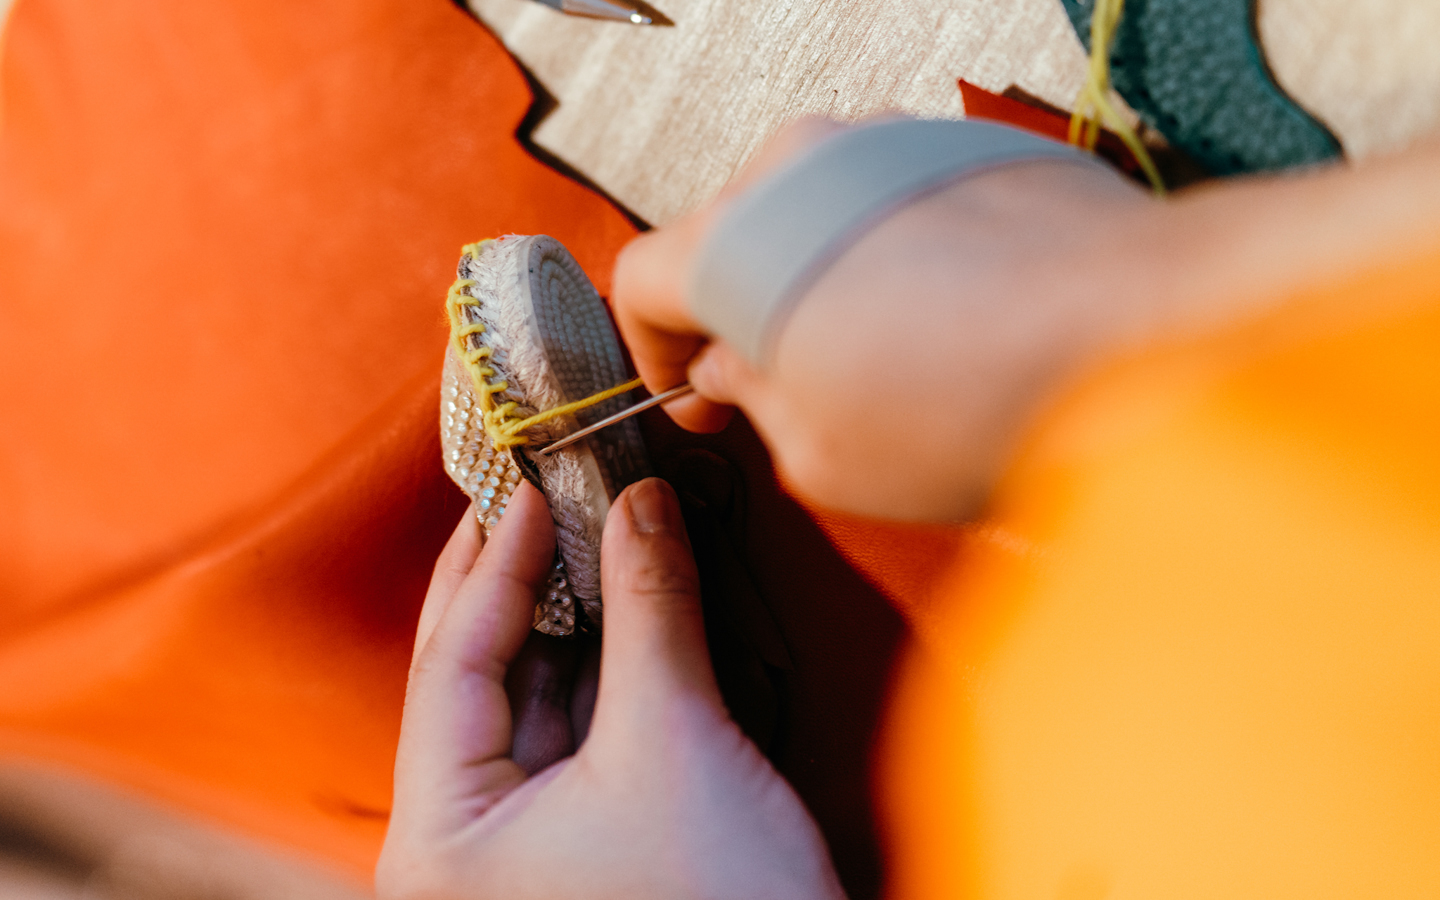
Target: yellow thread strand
(1094,107)
(502,426)
(515,426)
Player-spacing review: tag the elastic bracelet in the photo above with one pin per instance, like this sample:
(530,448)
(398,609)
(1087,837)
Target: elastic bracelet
(780,235)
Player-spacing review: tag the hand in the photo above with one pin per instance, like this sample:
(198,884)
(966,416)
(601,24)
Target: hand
(664,798)
(650,276)
(908,370)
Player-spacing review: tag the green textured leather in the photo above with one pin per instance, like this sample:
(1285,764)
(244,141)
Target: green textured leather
(1193,70)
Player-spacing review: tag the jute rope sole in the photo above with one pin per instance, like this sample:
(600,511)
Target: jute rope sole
(531,334)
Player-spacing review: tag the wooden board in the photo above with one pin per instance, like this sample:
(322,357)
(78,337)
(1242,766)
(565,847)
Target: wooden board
(661,118)
(1370,70)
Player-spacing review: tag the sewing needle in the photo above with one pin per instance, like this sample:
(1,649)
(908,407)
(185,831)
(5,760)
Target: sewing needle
(636,13)
(622,415)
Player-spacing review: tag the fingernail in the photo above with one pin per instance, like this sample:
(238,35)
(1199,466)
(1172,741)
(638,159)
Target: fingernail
(653,507)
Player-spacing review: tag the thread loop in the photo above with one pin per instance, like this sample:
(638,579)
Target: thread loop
(504,428)
(1094,104)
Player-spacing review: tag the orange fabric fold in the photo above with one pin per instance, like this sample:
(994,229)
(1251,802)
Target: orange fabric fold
(1206,663)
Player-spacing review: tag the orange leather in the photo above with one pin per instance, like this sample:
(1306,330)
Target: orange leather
(982,104)
(1045,121)
(1201,657)
(226,230)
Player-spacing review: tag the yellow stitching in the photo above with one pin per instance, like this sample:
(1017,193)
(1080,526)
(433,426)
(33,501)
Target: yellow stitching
(1094,104)
(504,428)
(515,426)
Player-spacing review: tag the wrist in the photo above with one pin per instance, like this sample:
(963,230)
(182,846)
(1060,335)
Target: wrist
(774,241)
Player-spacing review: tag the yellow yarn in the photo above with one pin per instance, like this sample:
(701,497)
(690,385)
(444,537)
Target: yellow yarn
(510,431)
(1094,102)
(504,428)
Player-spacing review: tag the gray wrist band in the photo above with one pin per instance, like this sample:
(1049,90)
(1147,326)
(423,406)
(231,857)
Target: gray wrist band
(779,236)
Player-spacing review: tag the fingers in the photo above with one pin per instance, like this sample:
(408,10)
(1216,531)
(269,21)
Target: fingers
(657,326)
(455,562)
(655,321)
(651,286)
(654,643)
(724,376)
(455,738)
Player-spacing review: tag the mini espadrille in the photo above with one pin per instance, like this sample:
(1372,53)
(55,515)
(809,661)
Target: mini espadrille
(529,334)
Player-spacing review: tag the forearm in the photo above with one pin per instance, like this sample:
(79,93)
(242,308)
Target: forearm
(1250,243)
(899,382)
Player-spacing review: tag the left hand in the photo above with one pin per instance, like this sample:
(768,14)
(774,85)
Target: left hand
(664,798)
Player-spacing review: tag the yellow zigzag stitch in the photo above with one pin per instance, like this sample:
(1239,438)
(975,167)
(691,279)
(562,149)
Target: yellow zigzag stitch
(1094,104)
(502,426)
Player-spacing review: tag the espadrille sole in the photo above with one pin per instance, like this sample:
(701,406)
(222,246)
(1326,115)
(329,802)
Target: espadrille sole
(550,341)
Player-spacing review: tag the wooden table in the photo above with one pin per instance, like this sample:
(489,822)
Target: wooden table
(661,118)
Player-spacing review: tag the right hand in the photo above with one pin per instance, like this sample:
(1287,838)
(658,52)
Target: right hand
(905,374)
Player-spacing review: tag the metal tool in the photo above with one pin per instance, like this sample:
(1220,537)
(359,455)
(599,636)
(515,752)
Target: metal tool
(637,13)
(622,415)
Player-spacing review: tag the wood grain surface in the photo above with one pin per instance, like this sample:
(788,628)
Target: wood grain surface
(660,118)
(1369,70)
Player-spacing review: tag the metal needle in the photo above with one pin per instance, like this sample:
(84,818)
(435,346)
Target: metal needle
(622,415)
(636,12)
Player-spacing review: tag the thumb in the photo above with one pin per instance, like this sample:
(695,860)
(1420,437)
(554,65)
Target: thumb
(653,654)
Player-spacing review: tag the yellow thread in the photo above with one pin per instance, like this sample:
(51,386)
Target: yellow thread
(1093,105)
(513,427)
(504,428)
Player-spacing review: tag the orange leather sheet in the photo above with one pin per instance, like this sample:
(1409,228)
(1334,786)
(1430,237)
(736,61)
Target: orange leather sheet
(225,234)
(226,230)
